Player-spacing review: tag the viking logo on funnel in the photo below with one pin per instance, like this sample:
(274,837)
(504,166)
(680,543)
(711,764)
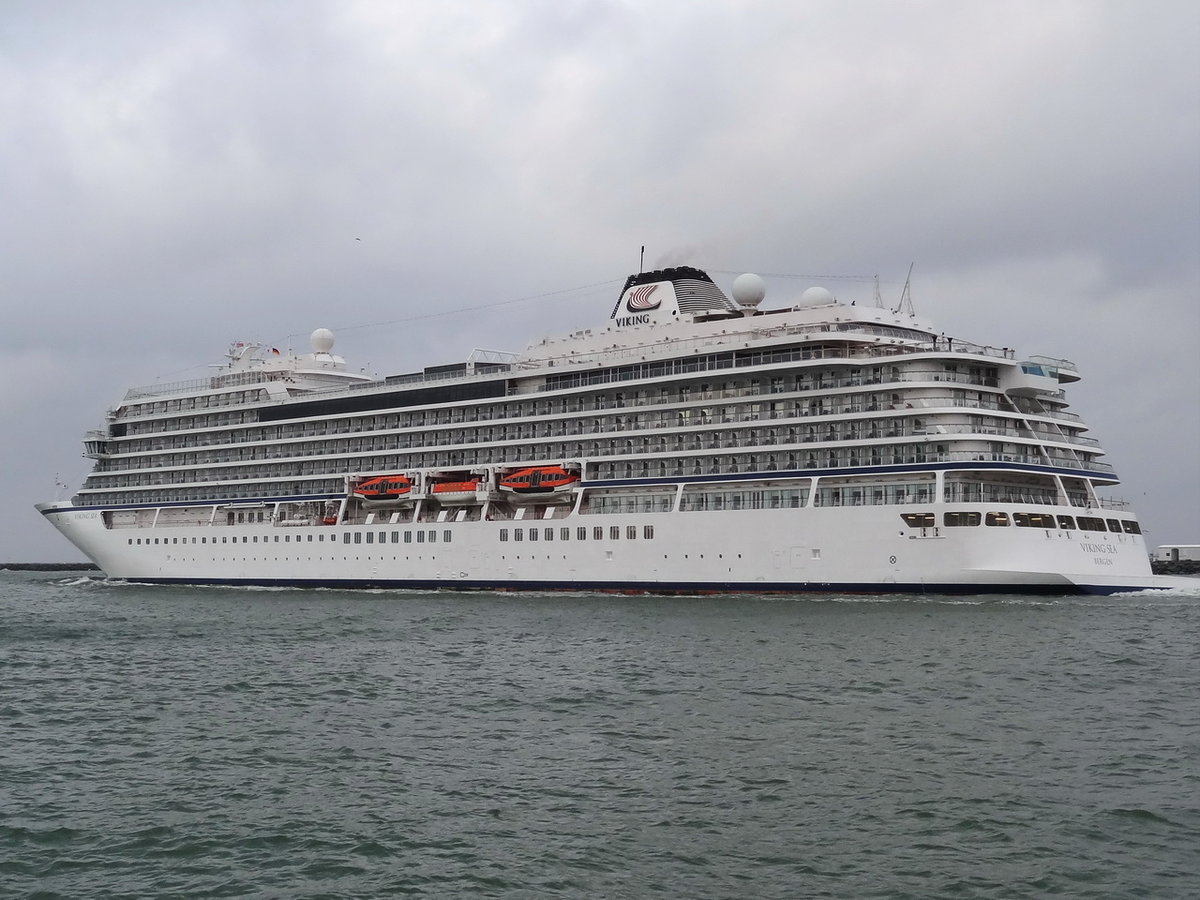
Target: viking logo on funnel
(640,300)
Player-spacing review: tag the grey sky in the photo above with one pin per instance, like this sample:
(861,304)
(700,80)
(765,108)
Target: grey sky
(176,176)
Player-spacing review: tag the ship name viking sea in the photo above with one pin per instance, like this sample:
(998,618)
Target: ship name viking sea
(695,442)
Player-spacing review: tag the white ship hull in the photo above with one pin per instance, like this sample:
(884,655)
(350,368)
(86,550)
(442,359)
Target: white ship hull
(758,551)
(695,443)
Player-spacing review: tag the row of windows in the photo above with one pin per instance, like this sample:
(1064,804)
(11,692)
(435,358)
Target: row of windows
(672,395)
(647,466)
(423,536)
(979,375)
(886,490)
(642,468)
(806,378)
(379,432)
(718,498)
(203,401)
(958,488)
(833,458)
(261,437)
(581,533)
(1023,520)
(682,435)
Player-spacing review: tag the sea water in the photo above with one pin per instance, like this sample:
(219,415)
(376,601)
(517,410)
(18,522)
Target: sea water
(214,742)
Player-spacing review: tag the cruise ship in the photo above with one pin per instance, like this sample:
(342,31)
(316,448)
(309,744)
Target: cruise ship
(695,441)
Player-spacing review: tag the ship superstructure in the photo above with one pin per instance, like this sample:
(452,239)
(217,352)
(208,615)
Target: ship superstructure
(693,442)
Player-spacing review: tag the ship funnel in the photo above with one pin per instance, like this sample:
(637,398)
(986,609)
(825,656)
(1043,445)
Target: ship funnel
(650,298)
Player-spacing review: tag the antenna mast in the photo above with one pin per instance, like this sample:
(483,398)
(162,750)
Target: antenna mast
(906,295)
(878,298)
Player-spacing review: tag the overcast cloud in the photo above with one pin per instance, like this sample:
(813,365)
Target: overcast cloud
(177,176)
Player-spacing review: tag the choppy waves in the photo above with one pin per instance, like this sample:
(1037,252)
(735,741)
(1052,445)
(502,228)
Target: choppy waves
(228,742)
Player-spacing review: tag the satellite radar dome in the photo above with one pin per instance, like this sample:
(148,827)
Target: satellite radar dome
(749,289)
(321,340)
(816,296)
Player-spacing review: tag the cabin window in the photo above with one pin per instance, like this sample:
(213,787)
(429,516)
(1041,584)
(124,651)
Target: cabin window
(581,533)
(420,537)
(518,534)
(598,533)
(1114,525)
(1066,523)
(648,531)
(1034,520)
(919,520)
(564,534)
(433,537)
(446,536)
(408,537)
(549,534)
(997,518)
(1131,527)
(533,534)
(953,519)
(630,532)
(614,533)
(504,534)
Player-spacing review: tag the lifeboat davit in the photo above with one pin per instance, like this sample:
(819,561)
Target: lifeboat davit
(385,491)
(451,492)
(540,484)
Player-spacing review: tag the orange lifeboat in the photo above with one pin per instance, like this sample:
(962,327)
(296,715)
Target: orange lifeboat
(454,487)
(456,491)
(539,480)
(385,490)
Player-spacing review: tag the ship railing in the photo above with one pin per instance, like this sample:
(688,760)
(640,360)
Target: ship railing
(176,487)
(920,340)
(500,360)
(684,365)
(212,382)
(1053,414)
(1054,363)
(939,375)
(171,387)
(1022,458)
(994,431)
(430,377)
(905,342)
(494,360)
